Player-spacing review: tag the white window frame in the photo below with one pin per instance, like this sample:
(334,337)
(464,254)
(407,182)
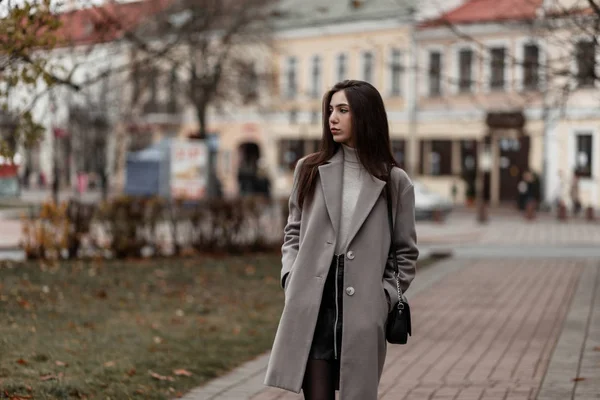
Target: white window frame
(315,92)
(574,84)
(362,65)
(456,67)
(337,77)
(587,184)
(487,64)
(285,93)
(444,63)
(390,74)
(519,71)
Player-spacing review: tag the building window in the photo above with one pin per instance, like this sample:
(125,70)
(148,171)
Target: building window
(151,78)
(316,77)
(468,165)
(399,152)
(342,71)
(396,72)
(291,87)
(315,117)
(173,92)
(465,62)
(436,157)
(368,66)
(531,66)
(313,146)
(583,155)
(435,73)
(290,151)
(497,67)
(248,84)
(293,116)
(586,63)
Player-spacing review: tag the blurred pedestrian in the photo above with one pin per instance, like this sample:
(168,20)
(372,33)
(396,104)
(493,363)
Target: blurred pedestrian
(337,270)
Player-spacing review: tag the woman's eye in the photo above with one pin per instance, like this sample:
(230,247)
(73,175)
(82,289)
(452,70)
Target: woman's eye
(343,110)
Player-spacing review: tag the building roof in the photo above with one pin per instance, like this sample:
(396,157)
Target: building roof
(482,11)
(305,13)
(105,23)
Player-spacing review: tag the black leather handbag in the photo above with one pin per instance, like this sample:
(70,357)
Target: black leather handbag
(398,321)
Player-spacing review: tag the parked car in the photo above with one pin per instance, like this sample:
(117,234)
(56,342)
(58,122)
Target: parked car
(428,202)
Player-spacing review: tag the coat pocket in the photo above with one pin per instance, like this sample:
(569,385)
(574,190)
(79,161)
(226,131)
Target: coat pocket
(384,302)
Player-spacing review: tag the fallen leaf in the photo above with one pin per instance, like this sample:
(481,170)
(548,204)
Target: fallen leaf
(237,330)
(578,379)
(25,304)
(131,372)
(182,372)
(158,340)
(48,377)
(60,364)
(21,361)
(597,348)
(250,269)
(109,364)
(161,377)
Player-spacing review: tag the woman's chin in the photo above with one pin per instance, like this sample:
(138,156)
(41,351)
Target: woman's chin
(340,140)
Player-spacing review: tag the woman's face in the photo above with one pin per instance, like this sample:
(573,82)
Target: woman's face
(340,119)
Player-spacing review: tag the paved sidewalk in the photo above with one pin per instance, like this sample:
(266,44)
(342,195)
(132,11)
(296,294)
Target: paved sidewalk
(463,229)
(484,329)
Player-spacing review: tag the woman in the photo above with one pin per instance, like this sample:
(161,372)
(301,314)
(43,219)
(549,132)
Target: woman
(338,281)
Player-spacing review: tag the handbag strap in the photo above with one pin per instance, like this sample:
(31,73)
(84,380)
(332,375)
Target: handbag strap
(392,252)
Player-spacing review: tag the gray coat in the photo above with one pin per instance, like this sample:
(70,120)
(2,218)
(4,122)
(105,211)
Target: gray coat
(309,242)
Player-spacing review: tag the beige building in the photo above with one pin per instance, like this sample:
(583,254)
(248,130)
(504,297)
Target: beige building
(316,47)
(501,64)
(468,89)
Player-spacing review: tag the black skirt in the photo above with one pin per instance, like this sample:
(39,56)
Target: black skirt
(327,339)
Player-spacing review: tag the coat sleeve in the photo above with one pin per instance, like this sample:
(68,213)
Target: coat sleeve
(405,238)
(291,232)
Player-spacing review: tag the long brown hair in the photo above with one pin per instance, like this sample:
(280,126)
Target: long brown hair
(370,130)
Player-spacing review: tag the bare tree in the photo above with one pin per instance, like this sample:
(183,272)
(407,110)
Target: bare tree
(209,50)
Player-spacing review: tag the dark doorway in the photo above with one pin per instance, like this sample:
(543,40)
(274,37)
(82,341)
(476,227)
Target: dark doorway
(514,160)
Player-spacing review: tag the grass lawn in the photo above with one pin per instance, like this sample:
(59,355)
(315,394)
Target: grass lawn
(139,329)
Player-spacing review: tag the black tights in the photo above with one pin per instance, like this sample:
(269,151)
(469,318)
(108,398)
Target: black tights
(319,380)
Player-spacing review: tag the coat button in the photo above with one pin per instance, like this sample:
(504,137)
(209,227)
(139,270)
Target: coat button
(350,255)
(349,290)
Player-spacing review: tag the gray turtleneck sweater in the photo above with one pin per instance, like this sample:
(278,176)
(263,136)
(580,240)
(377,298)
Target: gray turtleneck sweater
(350,189)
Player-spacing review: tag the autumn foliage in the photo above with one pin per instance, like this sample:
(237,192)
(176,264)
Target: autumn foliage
(130,227)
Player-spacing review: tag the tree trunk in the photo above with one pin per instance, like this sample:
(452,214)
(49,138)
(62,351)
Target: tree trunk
(212,184)
(104,185)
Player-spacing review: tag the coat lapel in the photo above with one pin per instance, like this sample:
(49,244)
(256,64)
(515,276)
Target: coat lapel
(331,183)
(370,189)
